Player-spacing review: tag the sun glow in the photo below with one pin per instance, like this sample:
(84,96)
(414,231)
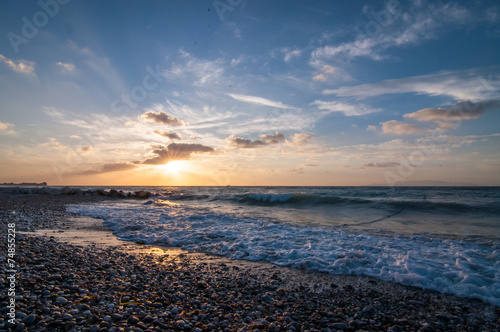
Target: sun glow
(175,167)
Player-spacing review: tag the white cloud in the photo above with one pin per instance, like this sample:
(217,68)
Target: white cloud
(259,101)
(289,55)
(66,66)
(21,66)
(468,84)
(345,108)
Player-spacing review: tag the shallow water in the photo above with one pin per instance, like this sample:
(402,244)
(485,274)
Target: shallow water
(446,239)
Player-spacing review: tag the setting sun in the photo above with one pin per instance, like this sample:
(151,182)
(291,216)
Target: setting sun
(175,167)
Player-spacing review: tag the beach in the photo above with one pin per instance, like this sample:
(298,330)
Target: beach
(72,274)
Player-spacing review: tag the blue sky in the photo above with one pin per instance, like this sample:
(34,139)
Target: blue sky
(250,92)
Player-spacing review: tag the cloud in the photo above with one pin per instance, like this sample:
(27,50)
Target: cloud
(275,138)
(380,165)
(162,118)
(399,128)
(302,139)
(201,72)
(109,168)
(389,28)
(5,128)
(289,55)
(53,144)
(266,139)
(66,66)
(259,101)
(347,109)
(167,134)
(22,66)
(175,151)
(468,84)
(463,110)
(328,73)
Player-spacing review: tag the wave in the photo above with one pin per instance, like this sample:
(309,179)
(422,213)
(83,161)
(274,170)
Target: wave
(446,265)
(301,200)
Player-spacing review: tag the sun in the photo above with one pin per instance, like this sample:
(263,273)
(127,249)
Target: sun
(174,167)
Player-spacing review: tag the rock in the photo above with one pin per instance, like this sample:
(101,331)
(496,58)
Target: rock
(94,328)
(133,320)
(61,301)
(66,191)
(280,292)
(116,317)
(340,326)
(272,327)
(114,193)
(142,194)
(148,319)
(28,320)
(83,307)
(56,277)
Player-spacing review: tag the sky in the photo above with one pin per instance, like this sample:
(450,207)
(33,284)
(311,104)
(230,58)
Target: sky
(238,92)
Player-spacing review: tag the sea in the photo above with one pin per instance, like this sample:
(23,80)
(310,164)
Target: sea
(441,238)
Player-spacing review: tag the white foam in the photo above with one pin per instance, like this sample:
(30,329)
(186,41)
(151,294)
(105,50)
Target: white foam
(456,267)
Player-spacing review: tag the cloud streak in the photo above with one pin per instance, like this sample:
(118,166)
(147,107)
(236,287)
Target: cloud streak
(176,151)
(259,101)
(345,108)
(109,168)
(21,66)
(167,134)
(466,84)
(400,128)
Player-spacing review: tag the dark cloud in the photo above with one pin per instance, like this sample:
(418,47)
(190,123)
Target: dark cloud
(463,110)
(266,139)
(175,151)
(167,134)
(162,117)
(108,168)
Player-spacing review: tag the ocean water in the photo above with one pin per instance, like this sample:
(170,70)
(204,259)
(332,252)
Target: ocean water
(441,238)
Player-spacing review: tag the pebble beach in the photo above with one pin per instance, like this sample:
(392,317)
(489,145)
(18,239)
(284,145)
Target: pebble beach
(64,285)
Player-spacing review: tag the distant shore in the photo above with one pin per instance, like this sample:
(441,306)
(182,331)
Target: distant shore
(94,282)
(42,184)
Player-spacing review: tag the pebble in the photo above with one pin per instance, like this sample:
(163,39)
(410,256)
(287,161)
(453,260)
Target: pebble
(61,301)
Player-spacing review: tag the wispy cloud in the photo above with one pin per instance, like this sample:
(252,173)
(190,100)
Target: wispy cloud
(468,84)
(259,101)
(6,128)
(395,29)
(199,72)
(400,128)
(345,108)
(21,66)
(69,67)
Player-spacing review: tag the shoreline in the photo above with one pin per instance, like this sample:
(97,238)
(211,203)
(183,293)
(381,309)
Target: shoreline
(243,295)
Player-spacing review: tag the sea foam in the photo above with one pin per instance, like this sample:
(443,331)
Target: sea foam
(451,266)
